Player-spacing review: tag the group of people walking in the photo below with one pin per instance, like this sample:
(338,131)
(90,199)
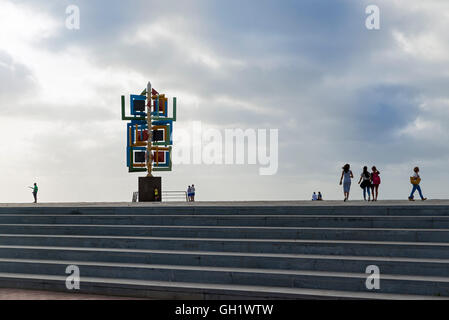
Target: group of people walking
(370,182)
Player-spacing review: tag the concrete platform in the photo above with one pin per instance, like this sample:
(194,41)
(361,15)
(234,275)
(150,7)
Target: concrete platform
(332,203)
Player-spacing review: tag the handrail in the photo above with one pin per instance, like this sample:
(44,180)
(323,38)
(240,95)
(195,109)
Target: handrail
(174,194)
(165,194)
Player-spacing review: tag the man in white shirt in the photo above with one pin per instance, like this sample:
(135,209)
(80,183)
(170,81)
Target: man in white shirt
(314,197)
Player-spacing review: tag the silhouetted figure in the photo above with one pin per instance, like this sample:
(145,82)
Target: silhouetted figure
(365,183)
(189,194)
(375,182)
(35,190)
(193,192)
(345,179)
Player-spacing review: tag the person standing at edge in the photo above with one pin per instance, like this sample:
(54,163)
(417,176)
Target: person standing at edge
(189,194)
(415,179)
(193,193)
(375,182)
(35,190)
(366,184)
(345,179)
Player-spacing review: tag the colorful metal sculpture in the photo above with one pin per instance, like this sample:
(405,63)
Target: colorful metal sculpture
(149,132)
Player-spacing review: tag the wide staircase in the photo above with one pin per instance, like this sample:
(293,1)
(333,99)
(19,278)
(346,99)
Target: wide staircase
(229,251)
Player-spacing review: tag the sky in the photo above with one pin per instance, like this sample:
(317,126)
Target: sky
(335,91)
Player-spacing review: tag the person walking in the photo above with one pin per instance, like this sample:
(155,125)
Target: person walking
(415,179)
(35,190)
(193,192)
(375,182)
(345,180)
(365,183)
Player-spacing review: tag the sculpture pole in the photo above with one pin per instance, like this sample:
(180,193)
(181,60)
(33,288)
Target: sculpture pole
(150,131)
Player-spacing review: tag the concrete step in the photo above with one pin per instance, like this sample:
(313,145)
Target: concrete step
(398,266)
(188,291)
(322,280)
(401,222)
(240,251)
(322,247)
(235,232)
(188,209)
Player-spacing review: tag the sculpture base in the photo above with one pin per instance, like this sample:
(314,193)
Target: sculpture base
(146,189)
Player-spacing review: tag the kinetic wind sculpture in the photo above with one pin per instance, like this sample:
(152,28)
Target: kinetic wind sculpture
(149,132)
(149,136)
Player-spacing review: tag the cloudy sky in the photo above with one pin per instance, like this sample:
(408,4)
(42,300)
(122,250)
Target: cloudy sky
(336,91)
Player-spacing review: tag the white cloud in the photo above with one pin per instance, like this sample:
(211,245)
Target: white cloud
(425,46)
(21,24)
(178,32)
(307,83)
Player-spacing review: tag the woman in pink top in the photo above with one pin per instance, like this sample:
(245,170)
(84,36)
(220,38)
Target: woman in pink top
(375,182)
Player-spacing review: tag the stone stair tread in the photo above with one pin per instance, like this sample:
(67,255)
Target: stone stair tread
(274,215)
(235,254)
(272,203)
(130,226)
(16,235)
(198,287)
(332,274)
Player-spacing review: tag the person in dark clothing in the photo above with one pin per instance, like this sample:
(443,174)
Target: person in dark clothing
(365,183)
